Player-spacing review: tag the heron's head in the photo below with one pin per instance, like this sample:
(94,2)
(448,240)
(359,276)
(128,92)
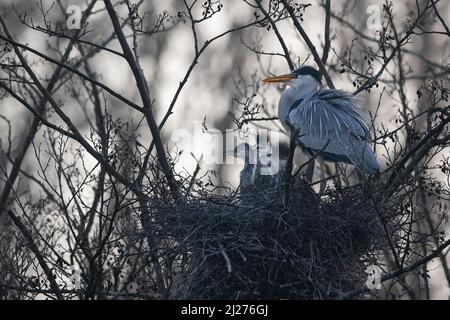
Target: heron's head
(305,76)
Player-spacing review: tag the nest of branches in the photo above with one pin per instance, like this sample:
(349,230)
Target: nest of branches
(259,247)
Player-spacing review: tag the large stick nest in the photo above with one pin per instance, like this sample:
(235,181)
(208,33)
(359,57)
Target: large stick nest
(257,248)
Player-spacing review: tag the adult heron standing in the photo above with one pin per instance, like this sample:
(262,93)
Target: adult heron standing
(327,122)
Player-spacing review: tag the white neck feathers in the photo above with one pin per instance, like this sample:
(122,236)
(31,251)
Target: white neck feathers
(302,88)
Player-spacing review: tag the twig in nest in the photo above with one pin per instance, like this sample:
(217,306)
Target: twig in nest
(227,259)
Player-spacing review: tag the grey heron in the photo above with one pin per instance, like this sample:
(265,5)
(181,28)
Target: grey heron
(247,175)
(326,121)
(263,169)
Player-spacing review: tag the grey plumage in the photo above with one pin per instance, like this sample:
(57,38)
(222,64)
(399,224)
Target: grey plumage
(260,172)
(326,121)
(248,173)
(330,122)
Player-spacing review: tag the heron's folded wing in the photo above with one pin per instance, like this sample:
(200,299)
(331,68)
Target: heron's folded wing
(342,149)
(331,122)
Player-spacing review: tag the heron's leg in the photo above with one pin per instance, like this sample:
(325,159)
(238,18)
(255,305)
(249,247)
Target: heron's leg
(289,166)
(337,179)
(323,183)
(310,171)
(343,175)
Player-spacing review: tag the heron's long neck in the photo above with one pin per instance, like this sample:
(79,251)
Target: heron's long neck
(292,94)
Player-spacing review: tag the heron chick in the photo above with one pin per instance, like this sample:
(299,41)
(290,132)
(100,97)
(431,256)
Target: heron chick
(326,121)
(263,167)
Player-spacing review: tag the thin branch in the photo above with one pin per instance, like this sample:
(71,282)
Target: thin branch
(310,45)
(278,34)
(146,100)
(327,45)
(395,274)
(33,247)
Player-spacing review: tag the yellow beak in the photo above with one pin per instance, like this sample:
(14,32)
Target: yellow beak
(282,78)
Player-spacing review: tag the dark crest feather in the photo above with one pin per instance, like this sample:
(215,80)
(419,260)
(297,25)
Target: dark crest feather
(310,71)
